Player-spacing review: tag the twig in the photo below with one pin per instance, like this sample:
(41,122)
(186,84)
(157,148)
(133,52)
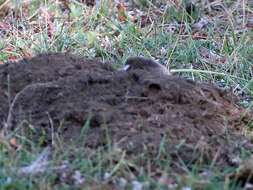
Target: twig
(38,165)
(2,6)
(8,124)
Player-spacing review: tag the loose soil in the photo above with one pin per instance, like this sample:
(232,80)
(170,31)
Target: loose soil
(137,111)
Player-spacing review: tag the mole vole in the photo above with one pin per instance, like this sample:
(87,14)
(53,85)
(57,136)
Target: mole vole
(145,64)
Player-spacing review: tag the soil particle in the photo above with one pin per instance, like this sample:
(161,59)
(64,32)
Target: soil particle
(137,108)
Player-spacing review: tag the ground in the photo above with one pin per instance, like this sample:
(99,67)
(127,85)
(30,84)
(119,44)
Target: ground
(94,105)
(208,42)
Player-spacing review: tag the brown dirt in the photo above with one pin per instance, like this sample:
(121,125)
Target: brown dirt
(137,109)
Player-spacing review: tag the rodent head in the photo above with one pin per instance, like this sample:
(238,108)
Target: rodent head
(144,64)
(140,63)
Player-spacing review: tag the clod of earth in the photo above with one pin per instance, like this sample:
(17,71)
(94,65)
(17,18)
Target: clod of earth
(137,109)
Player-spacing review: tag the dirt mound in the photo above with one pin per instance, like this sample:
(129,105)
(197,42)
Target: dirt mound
(138,109)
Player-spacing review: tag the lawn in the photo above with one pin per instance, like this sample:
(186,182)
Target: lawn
(205,41)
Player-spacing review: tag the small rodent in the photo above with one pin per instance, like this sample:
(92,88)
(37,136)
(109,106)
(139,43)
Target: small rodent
(145,64)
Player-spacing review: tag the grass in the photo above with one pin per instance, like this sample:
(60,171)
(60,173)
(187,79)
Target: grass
(70,167)
(102,35)
(42,26)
